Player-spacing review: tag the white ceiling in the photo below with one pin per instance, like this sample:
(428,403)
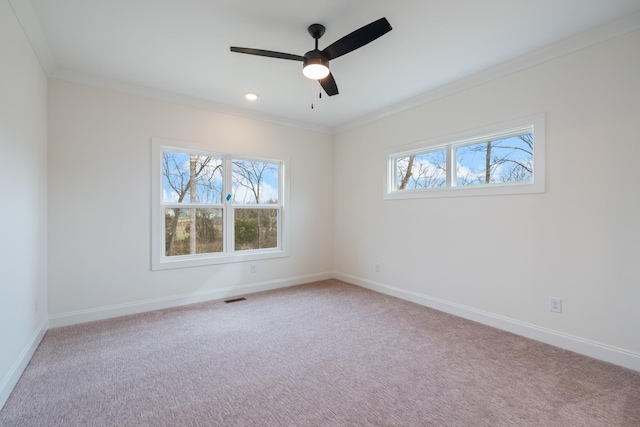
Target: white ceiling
(182,47)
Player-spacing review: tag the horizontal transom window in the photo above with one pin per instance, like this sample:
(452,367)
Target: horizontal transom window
(502,159)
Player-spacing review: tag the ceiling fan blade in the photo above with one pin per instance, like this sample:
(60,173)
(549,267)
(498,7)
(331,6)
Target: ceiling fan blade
(268,53)
(329,85)
(358,38)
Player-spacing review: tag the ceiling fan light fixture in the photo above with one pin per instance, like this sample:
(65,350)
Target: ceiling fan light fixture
(316,71)
(315,67)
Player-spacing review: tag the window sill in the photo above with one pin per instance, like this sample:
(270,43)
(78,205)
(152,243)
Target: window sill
(468,191)
(186,261)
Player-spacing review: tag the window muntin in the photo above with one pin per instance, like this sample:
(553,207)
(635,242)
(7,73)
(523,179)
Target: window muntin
(501,159)
(211,208)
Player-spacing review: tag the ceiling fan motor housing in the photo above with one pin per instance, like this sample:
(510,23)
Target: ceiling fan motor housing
(315,57)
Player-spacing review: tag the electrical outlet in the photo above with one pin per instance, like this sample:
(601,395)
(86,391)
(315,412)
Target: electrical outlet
(253,268)
(377,267)
(555,305)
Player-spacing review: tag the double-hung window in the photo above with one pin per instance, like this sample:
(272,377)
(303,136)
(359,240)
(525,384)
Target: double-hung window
(214,208)
(503,159)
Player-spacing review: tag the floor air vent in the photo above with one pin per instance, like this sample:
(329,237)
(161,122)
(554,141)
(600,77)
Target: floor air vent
(235,300)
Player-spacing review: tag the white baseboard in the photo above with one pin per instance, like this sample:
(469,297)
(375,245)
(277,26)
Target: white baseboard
(12,377)
(596,350)
(107,312)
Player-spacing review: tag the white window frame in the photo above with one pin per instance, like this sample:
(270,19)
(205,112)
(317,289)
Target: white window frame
(534,124)
(159,261)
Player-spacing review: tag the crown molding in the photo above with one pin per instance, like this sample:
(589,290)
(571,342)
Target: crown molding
(31,26)
(28,19)
(567,46)
(186,100)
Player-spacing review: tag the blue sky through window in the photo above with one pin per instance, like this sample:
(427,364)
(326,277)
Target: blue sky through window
(252,181)
(504,160)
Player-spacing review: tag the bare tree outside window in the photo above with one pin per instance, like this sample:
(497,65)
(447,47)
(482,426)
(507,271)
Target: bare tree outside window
(497,160)
(255,183)
(424,170)
(210,208)
(494,162)
(191,179)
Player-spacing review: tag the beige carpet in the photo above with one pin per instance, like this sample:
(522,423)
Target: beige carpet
(322,354)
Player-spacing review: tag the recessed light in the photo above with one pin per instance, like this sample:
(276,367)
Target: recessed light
(251,96)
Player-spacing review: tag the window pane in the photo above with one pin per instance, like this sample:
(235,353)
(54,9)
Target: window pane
(192,231)
(425,170)
(191,178)
(255,182)
(256,229)
(494,162)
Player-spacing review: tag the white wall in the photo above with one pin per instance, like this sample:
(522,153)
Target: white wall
(23,202)
(498,259)
(99,203)
(578,241)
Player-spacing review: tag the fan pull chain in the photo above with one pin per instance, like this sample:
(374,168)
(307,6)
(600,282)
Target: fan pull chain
(319,95)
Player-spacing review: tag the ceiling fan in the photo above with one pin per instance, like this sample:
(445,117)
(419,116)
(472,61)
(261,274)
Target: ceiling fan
(315,63)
